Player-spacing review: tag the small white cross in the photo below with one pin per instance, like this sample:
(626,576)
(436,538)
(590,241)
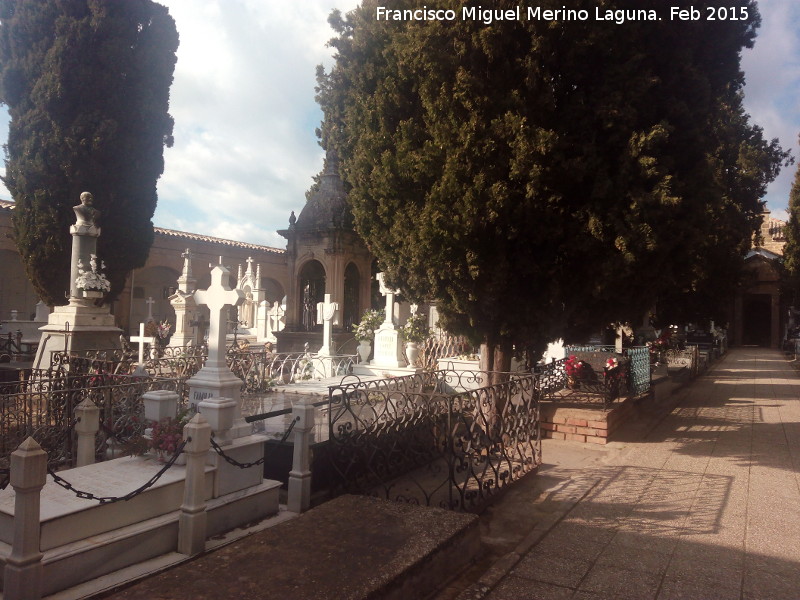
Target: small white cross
(388,322)
(142,340)
(150,303)
(328,311)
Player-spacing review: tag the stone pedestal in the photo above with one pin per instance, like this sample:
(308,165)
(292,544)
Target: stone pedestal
(186,313)
(218,384)
(76,327)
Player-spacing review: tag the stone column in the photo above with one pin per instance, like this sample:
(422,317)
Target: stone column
(88,417)
(22,578)
(299,499)
(84,239)
(193,518)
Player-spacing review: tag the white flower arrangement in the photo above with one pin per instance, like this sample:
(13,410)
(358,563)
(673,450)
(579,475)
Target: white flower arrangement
(93,278)
(365,330)
(416,329)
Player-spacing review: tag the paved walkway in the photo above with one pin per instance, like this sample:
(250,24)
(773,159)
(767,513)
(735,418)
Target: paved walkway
(706,505)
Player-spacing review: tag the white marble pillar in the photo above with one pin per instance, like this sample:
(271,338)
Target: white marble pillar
(22,578)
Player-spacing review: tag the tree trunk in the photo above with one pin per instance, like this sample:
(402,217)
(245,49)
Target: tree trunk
(496,363)
(496,360)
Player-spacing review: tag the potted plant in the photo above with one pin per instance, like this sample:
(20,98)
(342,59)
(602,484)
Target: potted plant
(167,434)
(415,332)
(92,282)
(364,331)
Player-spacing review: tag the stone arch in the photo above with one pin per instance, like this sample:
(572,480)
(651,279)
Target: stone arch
(311,290)
(375,297)
(273,290)
(158,283)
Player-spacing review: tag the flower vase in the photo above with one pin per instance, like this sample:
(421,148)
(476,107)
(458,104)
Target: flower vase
(412,353)
(92,293)
(364,348)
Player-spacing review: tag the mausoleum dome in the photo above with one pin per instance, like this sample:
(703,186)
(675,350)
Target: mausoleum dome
(327,207)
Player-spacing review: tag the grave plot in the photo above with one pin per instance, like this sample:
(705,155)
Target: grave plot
(428,439)
(588,394)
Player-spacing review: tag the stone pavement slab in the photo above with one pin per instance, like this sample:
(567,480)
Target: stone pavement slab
(703,505)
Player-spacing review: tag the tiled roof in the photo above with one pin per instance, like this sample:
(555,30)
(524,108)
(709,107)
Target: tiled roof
(6,205)
(213,240)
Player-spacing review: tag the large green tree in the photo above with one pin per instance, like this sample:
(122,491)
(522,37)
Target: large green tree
(87,85)
(541,178)
(791,252)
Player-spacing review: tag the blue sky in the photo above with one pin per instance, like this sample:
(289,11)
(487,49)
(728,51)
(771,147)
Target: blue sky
(243,103)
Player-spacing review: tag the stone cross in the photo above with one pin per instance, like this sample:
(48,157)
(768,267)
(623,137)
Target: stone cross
(218,297)
(150,303)
(328,311)
(142,340)
(249,265)
(187,257)
(388,322)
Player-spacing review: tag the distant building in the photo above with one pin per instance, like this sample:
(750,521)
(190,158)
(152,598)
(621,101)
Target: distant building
(757,317)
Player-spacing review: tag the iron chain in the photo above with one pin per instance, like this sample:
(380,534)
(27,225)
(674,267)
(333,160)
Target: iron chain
(260,461)
(130,495)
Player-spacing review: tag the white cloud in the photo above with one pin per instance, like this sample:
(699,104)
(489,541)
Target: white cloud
(772,70)
(243,103)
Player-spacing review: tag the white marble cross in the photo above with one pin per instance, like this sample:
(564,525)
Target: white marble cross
(218,297)
(388,322)
(150,303)
(328,311)
(142,340)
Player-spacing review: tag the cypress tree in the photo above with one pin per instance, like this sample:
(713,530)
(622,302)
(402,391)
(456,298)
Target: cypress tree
(87,85)
(544,178)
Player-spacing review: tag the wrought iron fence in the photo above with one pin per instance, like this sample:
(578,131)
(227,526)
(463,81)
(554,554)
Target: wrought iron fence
(442,345)
(415,440)
(263,370)
(168,362)
(44,408)
(639,375)
(260,369)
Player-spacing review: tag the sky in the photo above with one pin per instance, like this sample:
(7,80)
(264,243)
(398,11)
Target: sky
(245,117)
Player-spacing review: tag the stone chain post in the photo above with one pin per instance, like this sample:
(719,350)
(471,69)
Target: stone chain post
(87,425)
(22,578)
(192,520)
(299,499)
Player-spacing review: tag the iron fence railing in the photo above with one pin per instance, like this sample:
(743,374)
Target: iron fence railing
(262,370)
(44,408)
(442,345)
(259,369)
(418,441)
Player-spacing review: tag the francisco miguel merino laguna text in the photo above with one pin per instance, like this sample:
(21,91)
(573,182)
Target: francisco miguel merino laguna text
(489,15)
